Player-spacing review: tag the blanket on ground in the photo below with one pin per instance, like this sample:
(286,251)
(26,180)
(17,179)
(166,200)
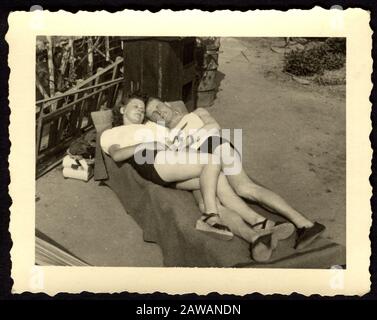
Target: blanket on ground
(168,217)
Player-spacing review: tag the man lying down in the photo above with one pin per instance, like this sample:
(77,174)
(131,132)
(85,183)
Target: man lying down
(156,158)
(200,131)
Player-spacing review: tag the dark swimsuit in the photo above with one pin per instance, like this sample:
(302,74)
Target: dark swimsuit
(212,142)
(147,170)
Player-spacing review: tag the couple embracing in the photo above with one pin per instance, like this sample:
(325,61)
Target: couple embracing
(187,152)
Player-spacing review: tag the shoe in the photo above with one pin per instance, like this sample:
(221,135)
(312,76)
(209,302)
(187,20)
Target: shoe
(283,230)
(216,230)
(261,249)
(306,236)
(280,230)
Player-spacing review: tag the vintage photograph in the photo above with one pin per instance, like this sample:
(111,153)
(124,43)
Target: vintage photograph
(194,151)
(207,157)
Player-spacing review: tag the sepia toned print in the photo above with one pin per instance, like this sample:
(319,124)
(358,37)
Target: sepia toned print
(223,155)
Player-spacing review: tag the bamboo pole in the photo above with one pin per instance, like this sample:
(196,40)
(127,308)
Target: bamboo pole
(65,59)
(51,70)
(86,81)
(68,107)
(79,87)
(41,89)
(90,79)
(107,45)
(63,95)
(111,91)
(71,61)
(90,56)
(99,98)
(50,63)
(85,57)
(102,54)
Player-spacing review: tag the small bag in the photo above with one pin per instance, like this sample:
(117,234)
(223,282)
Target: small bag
(77,167)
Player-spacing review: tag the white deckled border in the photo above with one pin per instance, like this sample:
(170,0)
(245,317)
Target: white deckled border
(351,23)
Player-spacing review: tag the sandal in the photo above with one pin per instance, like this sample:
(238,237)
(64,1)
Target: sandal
(217,230)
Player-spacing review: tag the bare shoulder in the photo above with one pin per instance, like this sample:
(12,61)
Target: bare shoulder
(201,112)
(205,115)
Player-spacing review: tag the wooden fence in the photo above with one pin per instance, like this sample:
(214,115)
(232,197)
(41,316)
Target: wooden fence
(65,117)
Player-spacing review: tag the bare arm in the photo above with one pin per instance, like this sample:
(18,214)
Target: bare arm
(209,122)
(119,154)
(210,126)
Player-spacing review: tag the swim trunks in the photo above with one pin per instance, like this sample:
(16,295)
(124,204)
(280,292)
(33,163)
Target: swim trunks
(145,169)
(212,142)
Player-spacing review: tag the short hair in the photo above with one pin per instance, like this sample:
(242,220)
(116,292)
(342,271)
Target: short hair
(117,116)
(152,98)
(136,95)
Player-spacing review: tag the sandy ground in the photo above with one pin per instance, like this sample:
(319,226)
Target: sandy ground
(293,143)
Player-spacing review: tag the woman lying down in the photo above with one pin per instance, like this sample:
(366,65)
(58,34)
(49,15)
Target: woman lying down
(146,148)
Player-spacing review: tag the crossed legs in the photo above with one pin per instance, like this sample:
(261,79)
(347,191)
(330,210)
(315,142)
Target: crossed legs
(227,197)
(233,211)
(248,189)
(179,166)
(231,219)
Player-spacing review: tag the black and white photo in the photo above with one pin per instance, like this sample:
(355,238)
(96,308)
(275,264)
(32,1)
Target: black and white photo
(197,151)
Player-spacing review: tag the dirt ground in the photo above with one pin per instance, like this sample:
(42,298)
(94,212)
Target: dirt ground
(293,134)
(293,143)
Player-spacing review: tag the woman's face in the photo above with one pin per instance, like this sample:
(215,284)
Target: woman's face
(133,111)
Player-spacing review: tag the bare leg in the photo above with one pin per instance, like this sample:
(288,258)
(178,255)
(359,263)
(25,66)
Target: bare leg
(227,197)
(177,166)
(231,219)
(259,250)
(248,189)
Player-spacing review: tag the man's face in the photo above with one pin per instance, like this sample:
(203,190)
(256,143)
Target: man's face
(158,111)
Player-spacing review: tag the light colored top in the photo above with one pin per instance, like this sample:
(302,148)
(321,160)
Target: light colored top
(132,135)
(189,130)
